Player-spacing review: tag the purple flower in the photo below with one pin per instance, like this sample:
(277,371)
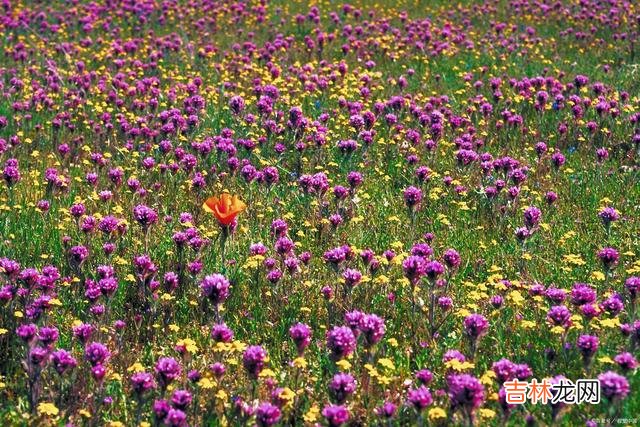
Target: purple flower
(556,295)
(419,398)
(27,333)
(532,216)
(279,228)
(626,361)
(38,355)
(98,372)
(433,269)
(11,174)
(181,399)
(83,332)
(372,328)
(236,103)
(167,370)
(145,216)
(609,257)
(175,418)
(215,287)
(274,276)
(253,360)
(142,382)
(96,353)
(292,264)
(194,376)
(351,277)
(257,249)
(267,414)
(559,315)
(632,285)
(558,159)
(301,336)
(413,267)
(465,392)
(353,319)
(62,361)
(424,376)
(335,256)
(582,293)
(588,345)
(160,409)
(284,245)
(445,303)
(453,355)
(451,258)
(354,179)
(523,233)
(475,326)
(342,386)
(608,215)
(412,196)
(504,370)
(550,197)
(218,369)
(341,341)
(613,386)
(336,415)
(387,410)
(422,250)
(540,148)
(612,305)
(78,254)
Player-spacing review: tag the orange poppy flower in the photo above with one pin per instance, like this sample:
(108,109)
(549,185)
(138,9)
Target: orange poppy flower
(225,208)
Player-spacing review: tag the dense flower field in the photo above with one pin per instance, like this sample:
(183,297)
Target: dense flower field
(278,213)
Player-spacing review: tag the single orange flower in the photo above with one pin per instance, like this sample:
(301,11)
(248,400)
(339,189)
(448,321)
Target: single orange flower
(225,208)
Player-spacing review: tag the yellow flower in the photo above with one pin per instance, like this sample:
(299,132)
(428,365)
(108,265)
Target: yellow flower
(221,395)
(239,346)
(136,367)
(312,414)
(266,373)
(299,362)
(206,383)
(528,324)
(436,414)
(487,414)
(188,344)
(610,323)
(46,408)
(456,365)
(287,394)
(344,365)
(387,363)
(488,377)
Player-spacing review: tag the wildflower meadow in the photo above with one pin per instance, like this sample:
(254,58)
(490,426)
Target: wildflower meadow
(290,213)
